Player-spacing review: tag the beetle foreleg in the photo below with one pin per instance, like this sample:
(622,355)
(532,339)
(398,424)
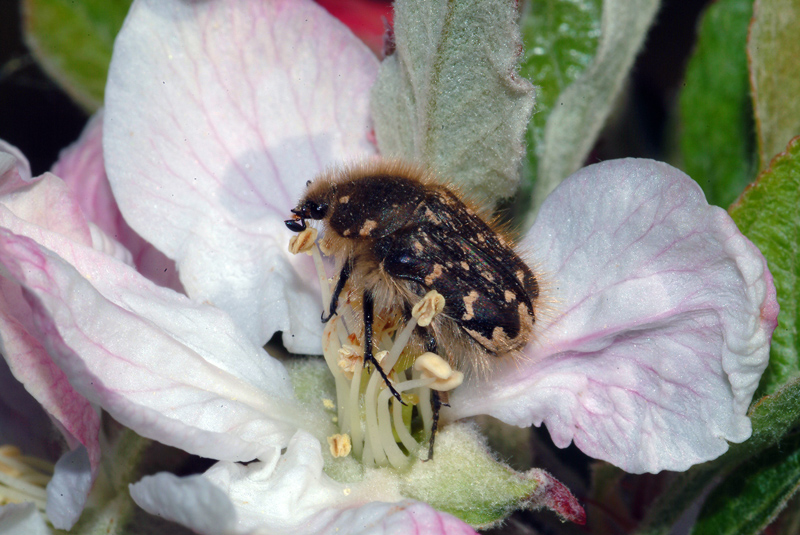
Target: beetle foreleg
(337,291)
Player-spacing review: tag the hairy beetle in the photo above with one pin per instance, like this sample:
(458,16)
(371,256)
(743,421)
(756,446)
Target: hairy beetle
(397,233)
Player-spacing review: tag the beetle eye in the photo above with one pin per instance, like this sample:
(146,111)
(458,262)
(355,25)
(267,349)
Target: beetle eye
(317,211)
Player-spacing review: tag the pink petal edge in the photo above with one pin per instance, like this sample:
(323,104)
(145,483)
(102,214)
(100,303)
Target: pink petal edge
(654,327)
(168,368)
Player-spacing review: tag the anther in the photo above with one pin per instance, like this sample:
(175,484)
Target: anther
(435,367)
(303,242)
(427,309)
(340,445)
(349,360)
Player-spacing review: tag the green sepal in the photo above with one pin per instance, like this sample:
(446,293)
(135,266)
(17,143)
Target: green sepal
(449,96)
(465,480)
(72,41)
(110,508)
(775,74)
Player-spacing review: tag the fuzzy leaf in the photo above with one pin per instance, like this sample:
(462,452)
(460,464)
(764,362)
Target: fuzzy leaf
(73,41)
(584,106)
(716,135)
(450,97)
(773,48)
(767,213)
(750,498)
(560,39)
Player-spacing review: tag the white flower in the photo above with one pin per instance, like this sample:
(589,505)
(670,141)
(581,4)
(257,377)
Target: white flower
(656,327)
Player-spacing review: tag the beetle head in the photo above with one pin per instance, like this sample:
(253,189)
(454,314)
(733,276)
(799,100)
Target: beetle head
(308,209)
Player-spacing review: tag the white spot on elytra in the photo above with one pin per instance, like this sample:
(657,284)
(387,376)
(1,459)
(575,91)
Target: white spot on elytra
(368,226)
(469,299)
(435,274)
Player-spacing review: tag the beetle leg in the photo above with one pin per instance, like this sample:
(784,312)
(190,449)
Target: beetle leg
(337,291)
(368,357)
(436,402)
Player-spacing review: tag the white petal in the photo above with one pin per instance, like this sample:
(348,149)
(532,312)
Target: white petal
(217,113)
(69,488)
(169,368)
(82,167)
(285,494)
(654,326)
(191,501)
(22,519)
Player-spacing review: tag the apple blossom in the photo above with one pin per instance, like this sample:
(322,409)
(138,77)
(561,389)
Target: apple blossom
(655,327)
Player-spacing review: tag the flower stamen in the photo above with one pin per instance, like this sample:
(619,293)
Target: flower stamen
(373,425)
(432,366)
(23,479)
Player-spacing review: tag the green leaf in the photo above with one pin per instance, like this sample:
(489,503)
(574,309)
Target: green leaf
(450,98)
(560,38)
(73,42)
(775,74)
(768,214)
(717,140)
(773,416)
(750,498)
(582,108)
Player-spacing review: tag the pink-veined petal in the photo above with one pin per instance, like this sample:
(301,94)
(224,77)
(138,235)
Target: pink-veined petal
(655,324)
(169,368)
(82,167)
(285,494)
(217,113)
(44,209)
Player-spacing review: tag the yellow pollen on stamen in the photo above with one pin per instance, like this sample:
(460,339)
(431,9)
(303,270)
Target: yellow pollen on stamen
(427,309)
(340,445)
(350,358)
(22,478)
(373,426)
(303,241)
(435,367)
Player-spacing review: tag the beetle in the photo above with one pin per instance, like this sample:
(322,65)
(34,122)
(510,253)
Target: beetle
(397,232)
